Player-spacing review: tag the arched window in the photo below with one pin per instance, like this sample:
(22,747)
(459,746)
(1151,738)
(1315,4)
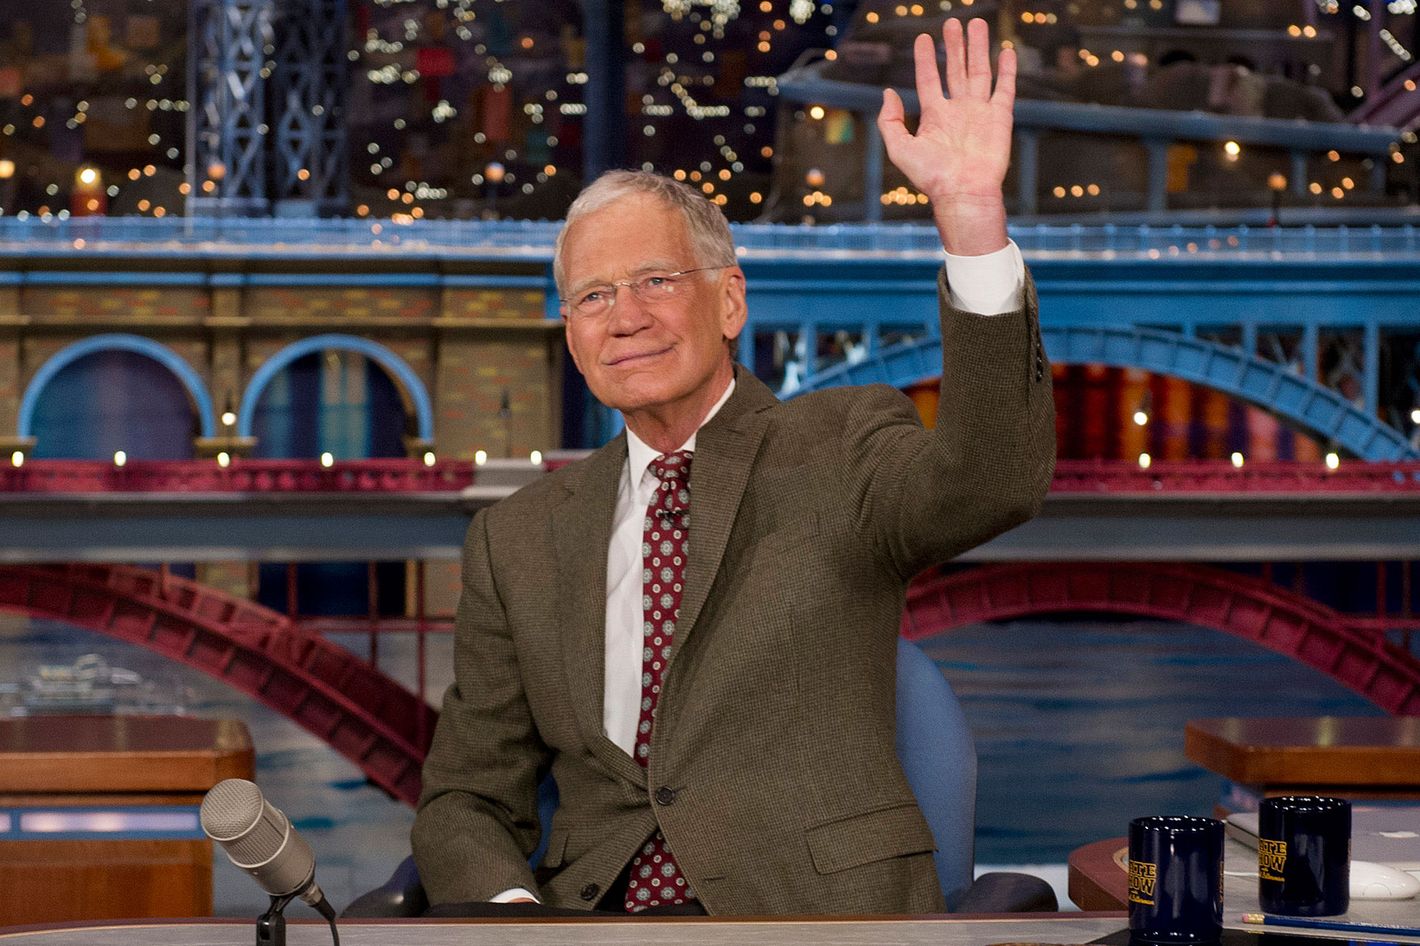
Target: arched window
(115,392)
(353,399)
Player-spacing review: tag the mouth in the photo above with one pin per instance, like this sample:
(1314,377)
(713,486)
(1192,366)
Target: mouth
(624,360)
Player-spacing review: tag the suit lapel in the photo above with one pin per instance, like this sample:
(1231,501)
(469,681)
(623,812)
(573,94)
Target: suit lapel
(583,528)
(725,450)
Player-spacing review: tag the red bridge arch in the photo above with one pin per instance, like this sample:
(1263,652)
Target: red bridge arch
(1278,619)
(367,717)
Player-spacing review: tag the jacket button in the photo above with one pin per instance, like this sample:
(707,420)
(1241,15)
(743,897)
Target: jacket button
(665,796)
(590,891)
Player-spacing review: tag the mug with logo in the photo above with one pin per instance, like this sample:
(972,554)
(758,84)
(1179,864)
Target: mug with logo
(1175,880)
(1304,855)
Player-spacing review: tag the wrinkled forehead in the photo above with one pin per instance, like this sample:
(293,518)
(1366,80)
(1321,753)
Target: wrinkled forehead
(630,235)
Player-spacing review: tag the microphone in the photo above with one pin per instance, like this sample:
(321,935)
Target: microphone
(259,839)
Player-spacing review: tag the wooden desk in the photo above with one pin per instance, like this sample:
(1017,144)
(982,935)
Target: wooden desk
(1354,757)
(1099,875)
(158,764)
(666,931)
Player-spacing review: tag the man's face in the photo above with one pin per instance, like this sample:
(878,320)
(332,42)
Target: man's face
(653,358)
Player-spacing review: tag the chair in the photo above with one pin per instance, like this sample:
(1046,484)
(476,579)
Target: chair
(935,747)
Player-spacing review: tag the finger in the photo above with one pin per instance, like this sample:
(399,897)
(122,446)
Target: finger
(924,62)
(978,58)
(1005,94)
(956,58)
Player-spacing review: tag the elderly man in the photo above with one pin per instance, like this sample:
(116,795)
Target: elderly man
(694,628)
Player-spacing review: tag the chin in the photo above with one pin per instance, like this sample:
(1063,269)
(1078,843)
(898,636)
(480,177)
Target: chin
(636,397)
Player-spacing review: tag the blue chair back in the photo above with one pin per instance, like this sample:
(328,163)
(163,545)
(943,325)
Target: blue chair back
(938,756)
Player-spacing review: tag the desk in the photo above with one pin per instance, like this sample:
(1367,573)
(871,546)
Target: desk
(1099,872)
(669,931)
(1355,757)
(130,773)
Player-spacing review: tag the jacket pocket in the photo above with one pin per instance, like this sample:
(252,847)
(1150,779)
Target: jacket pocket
(877,835)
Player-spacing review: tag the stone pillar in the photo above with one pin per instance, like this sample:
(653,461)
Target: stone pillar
(12,373)
(498,378)
(227,328)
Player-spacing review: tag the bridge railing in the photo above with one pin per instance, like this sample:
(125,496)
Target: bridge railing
(532,240)
(1223,477)
(385,476)
(240,476)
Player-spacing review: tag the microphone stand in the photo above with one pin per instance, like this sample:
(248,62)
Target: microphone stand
(271,925)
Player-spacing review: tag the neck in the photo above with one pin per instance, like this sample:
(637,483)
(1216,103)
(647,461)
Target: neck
(665,429)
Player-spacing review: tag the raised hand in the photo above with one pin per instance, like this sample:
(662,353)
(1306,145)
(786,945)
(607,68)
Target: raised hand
(959,155)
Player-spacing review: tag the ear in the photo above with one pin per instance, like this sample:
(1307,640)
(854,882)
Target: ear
(733,308)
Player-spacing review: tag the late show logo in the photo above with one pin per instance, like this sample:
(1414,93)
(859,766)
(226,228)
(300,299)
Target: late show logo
(1141,882)
(1271,857)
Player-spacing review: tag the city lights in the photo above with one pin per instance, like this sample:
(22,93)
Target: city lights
(448,88)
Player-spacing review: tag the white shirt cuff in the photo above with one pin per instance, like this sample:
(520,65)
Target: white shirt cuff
(513,893)
(990,284)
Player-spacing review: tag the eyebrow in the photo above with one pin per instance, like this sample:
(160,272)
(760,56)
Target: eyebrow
(655,266)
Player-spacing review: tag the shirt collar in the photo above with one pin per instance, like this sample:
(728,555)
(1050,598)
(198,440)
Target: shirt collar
(639,455)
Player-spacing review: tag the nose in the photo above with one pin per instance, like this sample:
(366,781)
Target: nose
(628,315)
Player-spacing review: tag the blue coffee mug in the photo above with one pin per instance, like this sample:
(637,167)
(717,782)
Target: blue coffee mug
(1175,880)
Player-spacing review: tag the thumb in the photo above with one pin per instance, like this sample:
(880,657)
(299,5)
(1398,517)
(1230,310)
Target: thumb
(892,119)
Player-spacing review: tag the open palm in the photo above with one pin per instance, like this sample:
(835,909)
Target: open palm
(962,146)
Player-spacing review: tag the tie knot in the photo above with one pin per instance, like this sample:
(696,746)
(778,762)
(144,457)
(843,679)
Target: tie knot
(672,467)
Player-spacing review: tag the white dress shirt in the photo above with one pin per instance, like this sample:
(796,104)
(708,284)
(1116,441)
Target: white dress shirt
(987,285)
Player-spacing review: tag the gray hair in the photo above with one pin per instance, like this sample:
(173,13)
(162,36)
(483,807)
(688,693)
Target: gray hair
(705,224)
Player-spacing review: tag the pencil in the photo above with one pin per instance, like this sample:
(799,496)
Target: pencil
(1341,926)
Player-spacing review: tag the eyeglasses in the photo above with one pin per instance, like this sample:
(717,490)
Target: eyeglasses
(596,301)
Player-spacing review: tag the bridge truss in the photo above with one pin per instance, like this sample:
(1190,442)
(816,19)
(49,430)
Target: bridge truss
(261,66)
(1355,653)
(384,729)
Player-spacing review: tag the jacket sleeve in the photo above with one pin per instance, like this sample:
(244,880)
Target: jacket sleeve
(924,497)
(477,820)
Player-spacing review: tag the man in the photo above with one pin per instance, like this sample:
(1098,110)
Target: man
(694,629)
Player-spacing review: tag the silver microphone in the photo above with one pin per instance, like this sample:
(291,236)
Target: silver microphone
(259,839)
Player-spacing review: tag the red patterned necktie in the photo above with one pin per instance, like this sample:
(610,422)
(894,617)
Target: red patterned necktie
(655,877)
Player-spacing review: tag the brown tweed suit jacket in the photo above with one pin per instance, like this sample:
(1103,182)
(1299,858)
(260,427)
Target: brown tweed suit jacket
(772,773)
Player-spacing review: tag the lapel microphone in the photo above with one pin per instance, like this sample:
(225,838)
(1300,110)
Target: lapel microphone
(666,515)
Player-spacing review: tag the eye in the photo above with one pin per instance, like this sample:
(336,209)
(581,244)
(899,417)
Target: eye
(592,297)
